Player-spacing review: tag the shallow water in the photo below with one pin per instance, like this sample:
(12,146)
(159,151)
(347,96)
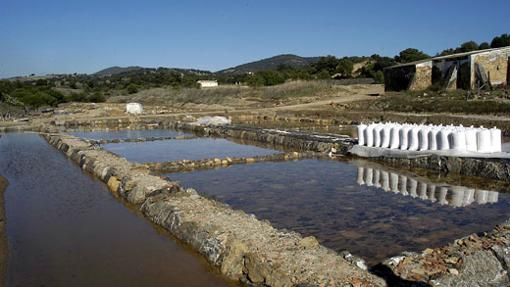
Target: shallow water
(127,134)
(65,229)
(193,149)
(330,200)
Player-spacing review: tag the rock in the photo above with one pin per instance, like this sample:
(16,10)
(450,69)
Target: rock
(309,242)
(113,184)
(453,271)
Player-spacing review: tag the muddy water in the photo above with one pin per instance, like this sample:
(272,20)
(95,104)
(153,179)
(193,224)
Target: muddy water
(375,214)
(194,149)
(127,134)
(3,237)
(65,229)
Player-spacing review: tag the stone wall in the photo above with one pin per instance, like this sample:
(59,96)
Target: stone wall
(422,78)
(495,64)
(398,78)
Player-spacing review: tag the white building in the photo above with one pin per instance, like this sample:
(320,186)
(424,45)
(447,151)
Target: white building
(207,83)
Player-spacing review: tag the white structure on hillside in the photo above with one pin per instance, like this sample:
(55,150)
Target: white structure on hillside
(134,108)
(207,83)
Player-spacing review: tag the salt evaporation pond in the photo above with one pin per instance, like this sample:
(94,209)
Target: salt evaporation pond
(193,149)
(127,134)
(362,213)
(64,228)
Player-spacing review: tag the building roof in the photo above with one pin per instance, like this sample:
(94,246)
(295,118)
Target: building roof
(458,55)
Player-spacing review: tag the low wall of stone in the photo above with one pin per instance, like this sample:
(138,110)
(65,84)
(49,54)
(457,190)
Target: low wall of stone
(187,165)
(238,244)
(293,140)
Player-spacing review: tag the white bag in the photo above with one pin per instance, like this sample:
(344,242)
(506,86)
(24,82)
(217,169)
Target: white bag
(369,135)
(395,136)
(414,142)
(386,137)
(423,138)
(483,140)
(361,134)
(471,141)
(458,140)
(404,141)
(433,138)
(495,139)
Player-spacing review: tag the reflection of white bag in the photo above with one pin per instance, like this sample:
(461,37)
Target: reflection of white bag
(361,134)
(369,135)
(496,139)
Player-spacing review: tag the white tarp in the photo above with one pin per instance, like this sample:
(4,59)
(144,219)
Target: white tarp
(213,121)
(134,108)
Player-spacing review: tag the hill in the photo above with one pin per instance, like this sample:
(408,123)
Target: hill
(272,63)
(116,70)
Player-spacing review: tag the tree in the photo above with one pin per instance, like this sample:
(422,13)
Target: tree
(344,67)
(501,41)
(132,88)
(468,47)
(328,64)
(484,46)
(411,55)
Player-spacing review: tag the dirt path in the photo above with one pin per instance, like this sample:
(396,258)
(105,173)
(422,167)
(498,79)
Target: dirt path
(3,236)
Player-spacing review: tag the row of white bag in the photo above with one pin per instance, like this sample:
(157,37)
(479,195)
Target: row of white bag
(456,196)
(429,137)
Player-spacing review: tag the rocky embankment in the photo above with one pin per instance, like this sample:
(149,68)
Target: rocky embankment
(475,260)
(238,244)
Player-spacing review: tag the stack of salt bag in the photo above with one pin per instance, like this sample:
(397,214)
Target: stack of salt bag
(414,137)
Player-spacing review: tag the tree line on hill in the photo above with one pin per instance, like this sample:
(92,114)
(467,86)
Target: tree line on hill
(52,90)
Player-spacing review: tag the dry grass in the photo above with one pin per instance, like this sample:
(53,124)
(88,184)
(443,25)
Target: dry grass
(232,95)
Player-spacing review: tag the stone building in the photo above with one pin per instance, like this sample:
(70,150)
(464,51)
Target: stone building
(458,71)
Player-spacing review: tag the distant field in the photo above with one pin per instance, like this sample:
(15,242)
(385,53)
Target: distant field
(237,96)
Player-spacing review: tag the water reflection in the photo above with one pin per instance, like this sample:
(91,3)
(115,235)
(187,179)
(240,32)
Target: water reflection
(347,209)
(127,134)
(193,149)
(452,195)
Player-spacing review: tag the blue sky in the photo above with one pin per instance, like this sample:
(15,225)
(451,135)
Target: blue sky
(67,36)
